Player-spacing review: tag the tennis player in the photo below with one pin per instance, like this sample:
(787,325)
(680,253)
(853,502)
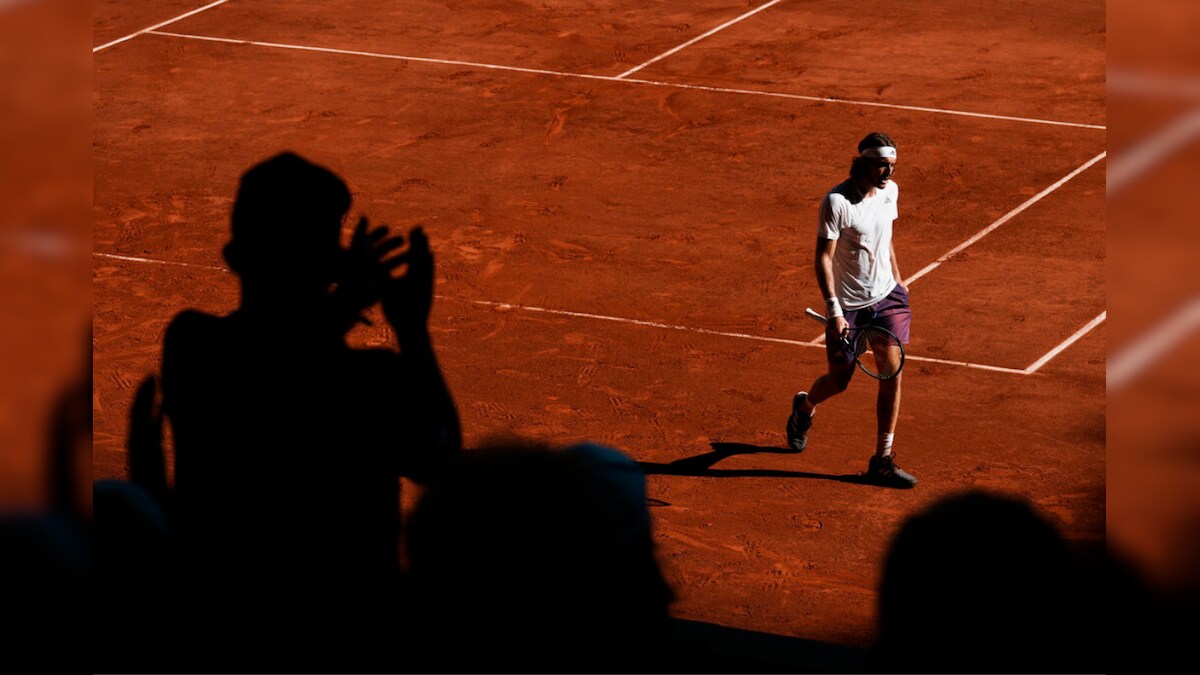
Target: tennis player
(859,279)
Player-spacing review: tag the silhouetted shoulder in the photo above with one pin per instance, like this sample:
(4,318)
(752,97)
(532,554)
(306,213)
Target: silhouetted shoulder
(192,324)
(188,331)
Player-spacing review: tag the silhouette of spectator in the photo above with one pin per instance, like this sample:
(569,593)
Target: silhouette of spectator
(289,444)
(138,611)
(535,559)
(136,622)
(1137,621)
(45,569)
(978,583)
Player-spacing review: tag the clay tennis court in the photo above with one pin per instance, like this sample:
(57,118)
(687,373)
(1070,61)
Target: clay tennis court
(621,198)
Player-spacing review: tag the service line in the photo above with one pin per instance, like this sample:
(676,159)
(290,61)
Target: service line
(705,331)
(629,80)
(154,261)
(601,317)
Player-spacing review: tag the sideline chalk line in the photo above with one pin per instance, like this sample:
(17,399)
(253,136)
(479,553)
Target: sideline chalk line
(602,317)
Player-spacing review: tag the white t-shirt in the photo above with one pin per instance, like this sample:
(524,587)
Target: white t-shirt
(862,226)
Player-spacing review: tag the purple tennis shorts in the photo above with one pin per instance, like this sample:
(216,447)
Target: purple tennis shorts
(892,313)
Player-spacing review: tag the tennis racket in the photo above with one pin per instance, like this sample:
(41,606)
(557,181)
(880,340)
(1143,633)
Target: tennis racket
(886,358)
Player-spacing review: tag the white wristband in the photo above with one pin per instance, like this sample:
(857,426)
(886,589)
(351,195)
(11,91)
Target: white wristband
(835,307)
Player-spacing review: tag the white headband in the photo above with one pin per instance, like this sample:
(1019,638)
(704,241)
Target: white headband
(881,151)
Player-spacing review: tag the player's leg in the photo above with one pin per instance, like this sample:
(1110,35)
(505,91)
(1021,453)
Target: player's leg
(895,315)
(833,382)
(882,469)
(887,411)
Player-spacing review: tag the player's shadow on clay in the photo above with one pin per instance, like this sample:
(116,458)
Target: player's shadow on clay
(702,465)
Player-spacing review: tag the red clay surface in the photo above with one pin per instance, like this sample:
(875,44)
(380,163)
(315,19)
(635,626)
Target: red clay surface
(645,202)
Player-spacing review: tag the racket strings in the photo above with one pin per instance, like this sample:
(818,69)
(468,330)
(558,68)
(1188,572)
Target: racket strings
(886,353)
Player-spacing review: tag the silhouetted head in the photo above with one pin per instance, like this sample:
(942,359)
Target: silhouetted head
(978,582)
(287,224)
(538,558)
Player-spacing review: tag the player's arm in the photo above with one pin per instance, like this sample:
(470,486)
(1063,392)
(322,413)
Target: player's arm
(824,270)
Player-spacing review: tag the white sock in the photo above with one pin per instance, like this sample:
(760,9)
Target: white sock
(885,445)
(807,406)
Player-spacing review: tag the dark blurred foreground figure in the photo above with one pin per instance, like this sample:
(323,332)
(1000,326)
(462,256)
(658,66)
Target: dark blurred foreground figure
(533,559)
(289,444)
(45,559)
(982,583)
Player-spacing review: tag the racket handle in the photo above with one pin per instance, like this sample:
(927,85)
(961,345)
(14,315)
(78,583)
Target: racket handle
(815,315)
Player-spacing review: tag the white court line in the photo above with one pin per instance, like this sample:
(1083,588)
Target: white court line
(1136,358)
(158,262)
(1128,165)
(379,55)
(1159,85)
(705,331)
(158,25)
(874,104)
(601,317)
(1003,219)
(610,78)
(1033,367)
(698,38)
(639,322)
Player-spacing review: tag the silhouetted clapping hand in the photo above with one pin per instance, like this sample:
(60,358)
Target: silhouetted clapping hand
(407,299)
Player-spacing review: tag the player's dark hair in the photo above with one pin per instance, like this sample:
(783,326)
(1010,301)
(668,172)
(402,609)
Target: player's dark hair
(875,139)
